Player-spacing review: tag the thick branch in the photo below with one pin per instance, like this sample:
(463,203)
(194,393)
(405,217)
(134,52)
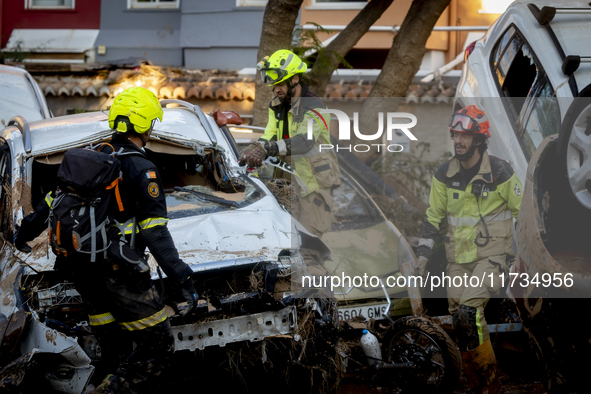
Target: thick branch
(402,63)
(319,76)
(408,48)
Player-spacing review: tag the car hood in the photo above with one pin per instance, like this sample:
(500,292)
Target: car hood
(258,232)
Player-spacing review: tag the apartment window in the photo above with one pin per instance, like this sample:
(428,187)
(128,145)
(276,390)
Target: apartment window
(67,4)
(153,3)
(251,3)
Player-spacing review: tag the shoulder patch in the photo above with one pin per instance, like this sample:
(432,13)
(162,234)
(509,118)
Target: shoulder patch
(151,174)
(517,190)
(153,189)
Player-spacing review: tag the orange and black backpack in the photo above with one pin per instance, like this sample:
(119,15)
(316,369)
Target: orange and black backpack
(81,223)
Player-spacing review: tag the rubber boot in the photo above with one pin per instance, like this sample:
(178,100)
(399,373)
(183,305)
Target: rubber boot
(485,363)
(470,371)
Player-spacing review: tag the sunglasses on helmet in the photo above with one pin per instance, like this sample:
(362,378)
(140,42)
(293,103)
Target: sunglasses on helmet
(461,122)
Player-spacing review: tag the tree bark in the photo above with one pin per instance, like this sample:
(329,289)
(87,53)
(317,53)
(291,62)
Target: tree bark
(277,33)
(319,76)
(402,63)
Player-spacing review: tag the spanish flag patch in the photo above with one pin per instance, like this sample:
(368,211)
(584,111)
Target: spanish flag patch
(151,175)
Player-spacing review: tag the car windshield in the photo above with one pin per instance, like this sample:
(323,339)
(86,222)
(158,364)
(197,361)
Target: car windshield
(192,200)
(199,180)
(17,97)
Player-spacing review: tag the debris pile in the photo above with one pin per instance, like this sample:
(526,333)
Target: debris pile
(283,192)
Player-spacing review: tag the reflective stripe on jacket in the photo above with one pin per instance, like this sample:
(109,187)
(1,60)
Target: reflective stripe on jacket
(492,196)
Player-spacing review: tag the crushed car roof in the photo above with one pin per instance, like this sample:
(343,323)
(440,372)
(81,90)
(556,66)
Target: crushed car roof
(58,134)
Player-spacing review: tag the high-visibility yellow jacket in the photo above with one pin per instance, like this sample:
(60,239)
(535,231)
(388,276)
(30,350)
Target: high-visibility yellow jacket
(475,211)
(288,125)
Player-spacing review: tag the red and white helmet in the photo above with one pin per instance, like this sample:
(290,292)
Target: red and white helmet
(470,120)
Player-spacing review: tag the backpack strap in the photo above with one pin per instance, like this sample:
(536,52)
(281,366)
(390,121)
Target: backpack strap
(92,235)
(98,148)
(130,227)
(115,185)
(94,229)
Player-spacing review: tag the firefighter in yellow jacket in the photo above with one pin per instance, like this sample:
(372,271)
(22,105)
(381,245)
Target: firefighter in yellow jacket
(291,112)
(476,196)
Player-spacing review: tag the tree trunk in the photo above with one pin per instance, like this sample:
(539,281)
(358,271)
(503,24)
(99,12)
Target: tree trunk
(278,24)
(402,63)
(408,48)
(320,74)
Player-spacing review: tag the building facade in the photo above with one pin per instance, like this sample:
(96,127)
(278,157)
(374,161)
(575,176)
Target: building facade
(204,34)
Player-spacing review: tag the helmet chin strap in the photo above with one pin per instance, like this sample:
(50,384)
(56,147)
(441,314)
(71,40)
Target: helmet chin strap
(468,155)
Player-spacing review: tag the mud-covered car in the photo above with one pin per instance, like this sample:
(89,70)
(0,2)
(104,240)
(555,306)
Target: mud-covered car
(530,75)
(246,253)
(362,241)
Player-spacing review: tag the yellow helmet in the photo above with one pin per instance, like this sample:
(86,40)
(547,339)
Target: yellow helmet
(280,66)
(139,105)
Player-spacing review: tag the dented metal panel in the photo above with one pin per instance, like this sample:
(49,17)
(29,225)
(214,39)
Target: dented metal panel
(49,340)
(253,328)
(74,376)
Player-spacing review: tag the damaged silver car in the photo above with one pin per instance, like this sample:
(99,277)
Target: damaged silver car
(246,253)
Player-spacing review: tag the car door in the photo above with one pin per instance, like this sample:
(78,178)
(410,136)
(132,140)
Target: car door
(527,96)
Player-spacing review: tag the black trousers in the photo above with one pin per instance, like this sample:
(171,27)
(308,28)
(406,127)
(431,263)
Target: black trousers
(125,307)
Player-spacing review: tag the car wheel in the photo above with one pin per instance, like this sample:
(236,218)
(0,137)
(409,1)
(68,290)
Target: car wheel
(421,342)
(574,148)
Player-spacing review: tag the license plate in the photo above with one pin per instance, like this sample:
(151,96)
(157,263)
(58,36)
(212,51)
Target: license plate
(369,312)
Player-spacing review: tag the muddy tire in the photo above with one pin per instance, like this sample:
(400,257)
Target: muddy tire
(422,342)
(574,149)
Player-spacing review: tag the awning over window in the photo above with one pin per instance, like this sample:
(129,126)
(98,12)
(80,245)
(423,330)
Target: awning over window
(54,45)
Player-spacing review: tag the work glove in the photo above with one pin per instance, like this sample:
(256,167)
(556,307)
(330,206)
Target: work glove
(253,155)
(420,266)
(20,244)
(190,295)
